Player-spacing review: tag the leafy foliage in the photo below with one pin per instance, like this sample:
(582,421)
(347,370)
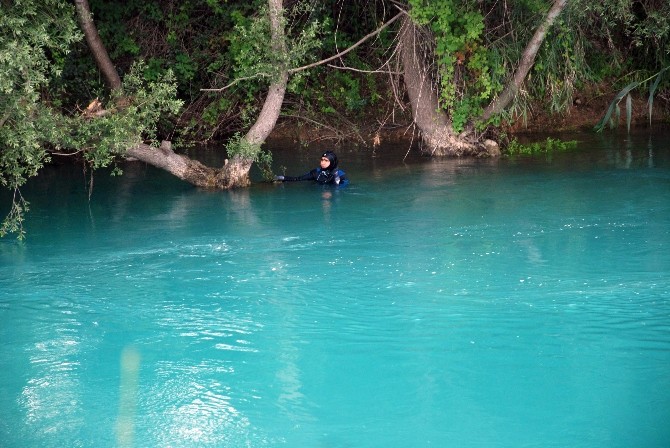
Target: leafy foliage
(133,115)
(13,223)
(32,36)
(548,146)
(35,37)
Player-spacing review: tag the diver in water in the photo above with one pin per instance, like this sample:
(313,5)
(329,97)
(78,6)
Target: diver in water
(326,173)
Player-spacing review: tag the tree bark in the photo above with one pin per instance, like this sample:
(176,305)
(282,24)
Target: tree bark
(526,63)
(96,46)
(190,170)
(435,127)
(180,166)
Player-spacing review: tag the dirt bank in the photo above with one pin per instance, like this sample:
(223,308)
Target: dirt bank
(586,111)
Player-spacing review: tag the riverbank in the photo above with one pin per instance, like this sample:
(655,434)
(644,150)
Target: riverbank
(587,110)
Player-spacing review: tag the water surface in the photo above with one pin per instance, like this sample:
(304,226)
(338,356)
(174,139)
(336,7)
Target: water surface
(518,302)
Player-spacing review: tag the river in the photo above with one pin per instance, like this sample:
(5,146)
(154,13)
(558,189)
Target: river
(516,302)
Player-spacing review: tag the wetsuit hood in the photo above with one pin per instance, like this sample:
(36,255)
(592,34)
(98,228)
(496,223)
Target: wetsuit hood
(330,155)
(326,176)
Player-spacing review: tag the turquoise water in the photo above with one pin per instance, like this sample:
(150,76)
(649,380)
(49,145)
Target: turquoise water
(520,302)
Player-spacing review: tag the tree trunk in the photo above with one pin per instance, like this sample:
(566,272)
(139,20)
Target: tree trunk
(436,131)
(96,46)
(184,168)
(190,170)
(236,171)
(526,63)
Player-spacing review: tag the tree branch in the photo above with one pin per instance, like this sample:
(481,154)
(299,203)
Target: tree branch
(315,64)
(258,75)
(96,45)
(386,72)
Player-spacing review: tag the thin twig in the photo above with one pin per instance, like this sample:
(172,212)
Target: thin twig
(364,71)
(413,126)
(64,154)
(342,53)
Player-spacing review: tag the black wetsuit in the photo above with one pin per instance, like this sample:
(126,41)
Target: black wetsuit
(321,176)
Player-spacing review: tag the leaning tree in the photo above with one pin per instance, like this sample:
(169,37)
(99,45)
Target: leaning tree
(235,171)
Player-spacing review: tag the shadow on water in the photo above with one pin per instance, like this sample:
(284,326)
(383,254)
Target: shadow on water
(639,149)
(70,184)
(143,188)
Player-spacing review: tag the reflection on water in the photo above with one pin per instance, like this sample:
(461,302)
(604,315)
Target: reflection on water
(509,302)
(128,397)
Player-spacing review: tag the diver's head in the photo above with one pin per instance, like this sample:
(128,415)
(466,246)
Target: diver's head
(328,160)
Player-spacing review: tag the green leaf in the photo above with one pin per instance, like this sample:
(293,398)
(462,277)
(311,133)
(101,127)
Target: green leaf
(617,111)
(614,105)
(652,91)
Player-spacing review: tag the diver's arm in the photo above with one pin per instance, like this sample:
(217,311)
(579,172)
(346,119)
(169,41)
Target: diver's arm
(307,176)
